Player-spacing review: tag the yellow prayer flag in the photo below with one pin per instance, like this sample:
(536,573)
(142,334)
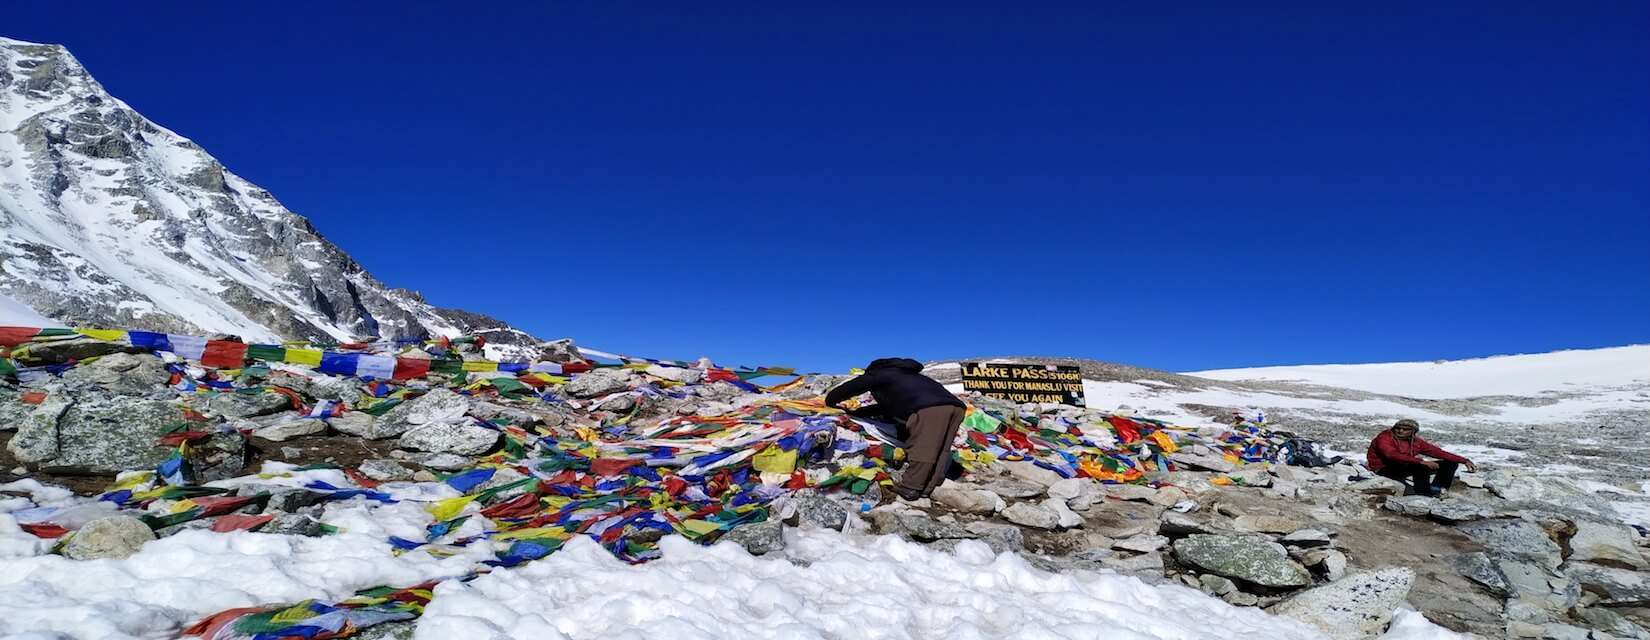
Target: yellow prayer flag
(108,335)
(445,510)
(478,366)
(307,357)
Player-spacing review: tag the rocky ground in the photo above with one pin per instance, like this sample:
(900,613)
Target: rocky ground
(1508,554)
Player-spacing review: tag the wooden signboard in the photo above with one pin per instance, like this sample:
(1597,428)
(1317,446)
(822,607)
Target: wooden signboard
(1024,382)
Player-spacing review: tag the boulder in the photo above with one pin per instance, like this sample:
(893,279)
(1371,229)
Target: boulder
(1202,462)
(1144,543)
(1251,476)
(464,438)
(1067,518)
(1606,544)
(127,374)
(1357,606)
(97,434)
(1133,492)
(1026,514)
(1378,486)
(811,508)
(1516,539)
(294,524)
(1417,506)
(916,525)
(62,351)
(385,470)
(1306,538)
(222,456)
(283,431)
(1266,524)
(1180,524)
(1014,489)
(1534,585)
(676,374)
(1146,566)
(112,537)
(365,425)
(1478,567)
(1070,488)
(758,538)
(1250,559)
(560,351)
(240,404)
(436,407)
(1613,587)
(1121,520)
(1456,511)
(1028,472)
(959,498)
(598,383)
(1002,538)
(1215,585)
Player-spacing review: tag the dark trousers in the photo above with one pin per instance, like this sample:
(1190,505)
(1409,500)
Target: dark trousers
(1422,478)
(928,451)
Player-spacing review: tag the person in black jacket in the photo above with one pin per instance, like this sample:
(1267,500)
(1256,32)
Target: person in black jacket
(930,413)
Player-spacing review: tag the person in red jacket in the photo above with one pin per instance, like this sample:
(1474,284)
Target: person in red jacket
(1396,453)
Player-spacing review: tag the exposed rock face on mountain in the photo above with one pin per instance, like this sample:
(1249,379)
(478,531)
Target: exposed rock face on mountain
(107,219)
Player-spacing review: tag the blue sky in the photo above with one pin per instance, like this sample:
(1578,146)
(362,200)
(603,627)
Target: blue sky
(1182,188)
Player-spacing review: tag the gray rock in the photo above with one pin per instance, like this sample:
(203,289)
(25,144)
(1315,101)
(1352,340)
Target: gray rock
(1026,514)
(1603,619)
(1014,489)
(1478,567)
(560,351)
(365,425)
(1070,488)
(439,406)
(759,538)
(1002,538)
(239,404)
(1251,476)
(61,351)
(816,510)
(1558,631)
(1067,518)
(1535,585)
(99,434)
(1121,519)
(464,438)
(1215,585)
(1133,492)
(1267,524)
(1378,486)
(1306,538)
(385,470)
(916,525)
(397,630)
(1515,538)
(967,500)
(445,462)
(1606,544)
(293,524)
(127,374)
(1613,587)
(112,537)
(496,412)
(1176,525)
(618,404)
(1028,472)
(283,431)
(224,455)
(1249,559)
(1357,606)
(597,383)
(1417,506)
(1331,563)
(1145,543)
(1201,462)
(167,532)
(283,499)
(289,453)
(1145,565)
(1456,511)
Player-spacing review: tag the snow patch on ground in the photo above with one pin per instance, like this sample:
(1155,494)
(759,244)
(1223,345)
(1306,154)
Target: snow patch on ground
(1523,375)
(17,314)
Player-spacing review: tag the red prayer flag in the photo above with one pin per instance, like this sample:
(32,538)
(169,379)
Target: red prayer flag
(240,522)
(223,354)
(408,368)
(44,530)
(32,397)
(13,336)
(610,466)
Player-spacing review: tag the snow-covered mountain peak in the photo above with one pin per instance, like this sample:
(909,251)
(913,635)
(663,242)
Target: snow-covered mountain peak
(109,219)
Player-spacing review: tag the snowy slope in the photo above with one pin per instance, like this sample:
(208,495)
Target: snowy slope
(17,314)
(107,219)
(1528,375)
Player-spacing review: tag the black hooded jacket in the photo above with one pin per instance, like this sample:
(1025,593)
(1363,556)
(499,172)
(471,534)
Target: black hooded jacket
(899,387)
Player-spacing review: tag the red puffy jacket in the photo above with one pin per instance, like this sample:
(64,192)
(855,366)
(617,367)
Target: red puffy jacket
(1387,449)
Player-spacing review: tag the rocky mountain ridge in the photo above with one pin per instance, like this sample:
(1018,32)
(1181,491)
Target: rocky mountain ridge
(108,219)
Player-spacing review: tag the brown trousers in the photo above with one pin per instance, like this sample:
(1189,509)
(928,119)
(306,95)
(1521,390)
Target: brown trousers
(928,452)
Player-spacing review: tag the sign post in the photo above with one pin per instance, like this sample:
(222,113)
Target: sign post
(1025,382)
